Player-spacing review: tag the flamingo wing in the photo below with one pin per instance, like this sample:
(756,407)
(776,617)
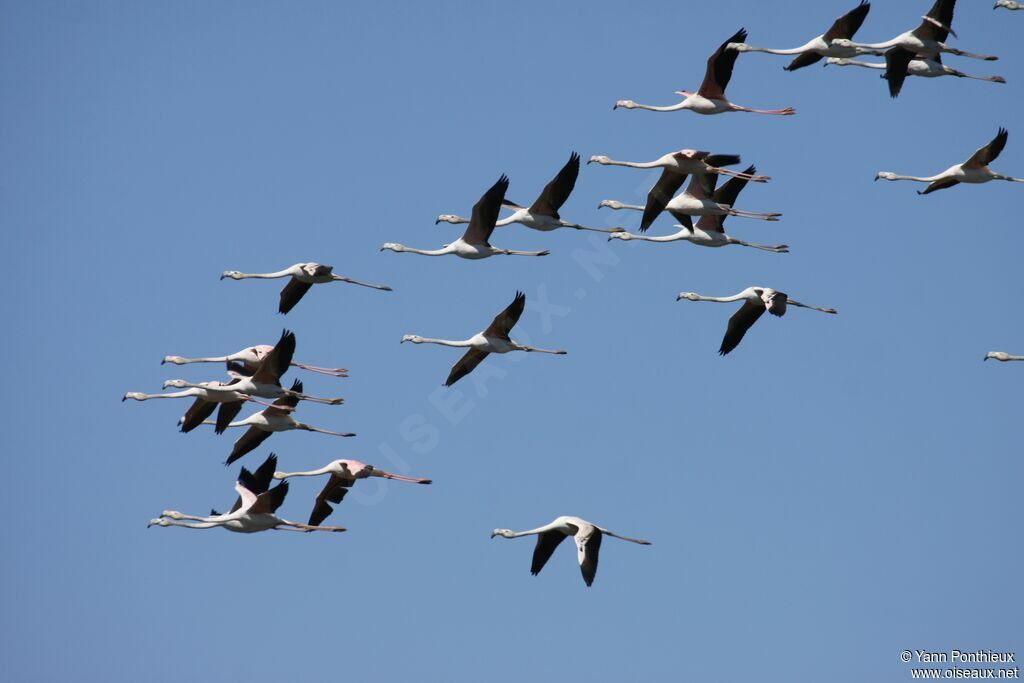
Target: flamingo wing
(546,544)
(485,213)
(800,61)
(276,362)
(227,413)
(291,294)
(506,320)
(333,492)
(897,61)
(848,24)
(268,501)
(588,547)
(466,365)
(940,184)
(937,22)
(990,152)
(719,70)
(741,321)
(247,443)
(257,482)
(200,410)
(726,194)
(558,190)
(660,195)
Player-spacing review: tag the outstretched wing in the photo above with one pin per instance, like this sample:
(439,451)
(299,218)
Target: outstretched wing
(259,481)
(941,184)
(546,544)
(269,501)
(806,59)
(276,362)
(199,411)
(227,413)
(506,320)
(333,492)
(848,24)
(990,152)
(466,365)
(937,21)
(897,61)
(485,213)
(558,190)
(247,443)
(739,323)
(719,70)
(286,401)
(660,195)
(587,550)
(291,293)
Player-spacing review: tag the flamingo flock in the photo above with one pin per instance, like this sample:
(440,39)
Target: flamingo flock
(688,187)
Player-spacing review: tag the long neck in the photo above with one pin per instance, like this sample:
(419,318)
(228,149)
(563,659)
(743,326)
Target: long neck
(916,178)
(445,342)
(619,206)
(310,473)
(721,299)
(430,252)
(866,65)
(531,532)
(176,394)
(178,360)
(877,46)
(267,276)
(790,51)
(672,107)
(633,164)
(507,220)
(657,238)
(201,525)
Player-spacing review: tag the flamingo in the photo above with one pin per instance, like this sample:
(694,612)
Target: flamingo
(494,339)
(586,534)
(343,473)
(303,276)
(925,68)
(822,46)
(709,231)
(973,171)
(253,512)
(473,244)
(265,382)
(543,214)
(1001,356)
(276,418)
(251,358)
(676,166)
(927,40)
(1008,4)
(756,300)
(710,97)
(206,402)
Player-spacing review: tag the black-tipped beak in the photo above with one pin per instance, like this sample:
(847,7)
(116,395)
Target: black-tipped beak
(986,357)
(437,221)
(614,107)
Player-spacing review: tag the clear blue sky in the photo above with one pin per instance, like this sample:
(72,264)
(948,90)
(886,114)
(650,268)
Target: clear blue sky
(836,490)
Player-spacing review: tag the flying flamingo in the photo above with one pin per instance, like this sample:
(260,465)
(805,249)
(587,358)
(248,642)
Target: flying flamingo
(265,382)
(254,512)
(822,46)
(1001,356)
(676,166)
(206,402)
(474,242)
(710,97)
(975,170)
(587,537)
(709,231)
(303,276)
(1008,4)
(343,473)
(251,358)
(543,213)
(926,68)
(756,300)
(494,339)
(927,40)
(276,418)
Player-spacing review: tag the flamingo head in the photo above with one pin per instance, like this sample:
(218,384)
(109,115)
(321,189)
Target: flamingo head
(610,204)
(619,236)
(176,383)
(739,47)
(173,514)
(393,246)
(599,159)
(448,218)
(997,355)
(885,175)
(838,61)
(505,533)
(625,104)
(158,521)
(842,42)
(688,295)
(414,338)
(233,274)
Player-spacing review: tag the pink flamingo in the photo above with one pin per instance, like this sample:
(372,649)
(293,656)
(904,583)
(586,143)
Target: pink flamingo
(251,358)
(710,97)
(343,473)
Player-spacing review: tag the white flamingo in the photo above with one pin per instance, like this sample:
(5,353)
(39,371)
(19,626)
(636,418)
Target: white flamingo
(709,231)
(1001,356)
(756,300)
(303,276)
(474,242)
(494,339)
(710,97)
(973,171)
(344,473)
(822,46)
(924,68)
(543,213)
(251,358)
(586,534)
(1008,4)
(206,402)
(254,511)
